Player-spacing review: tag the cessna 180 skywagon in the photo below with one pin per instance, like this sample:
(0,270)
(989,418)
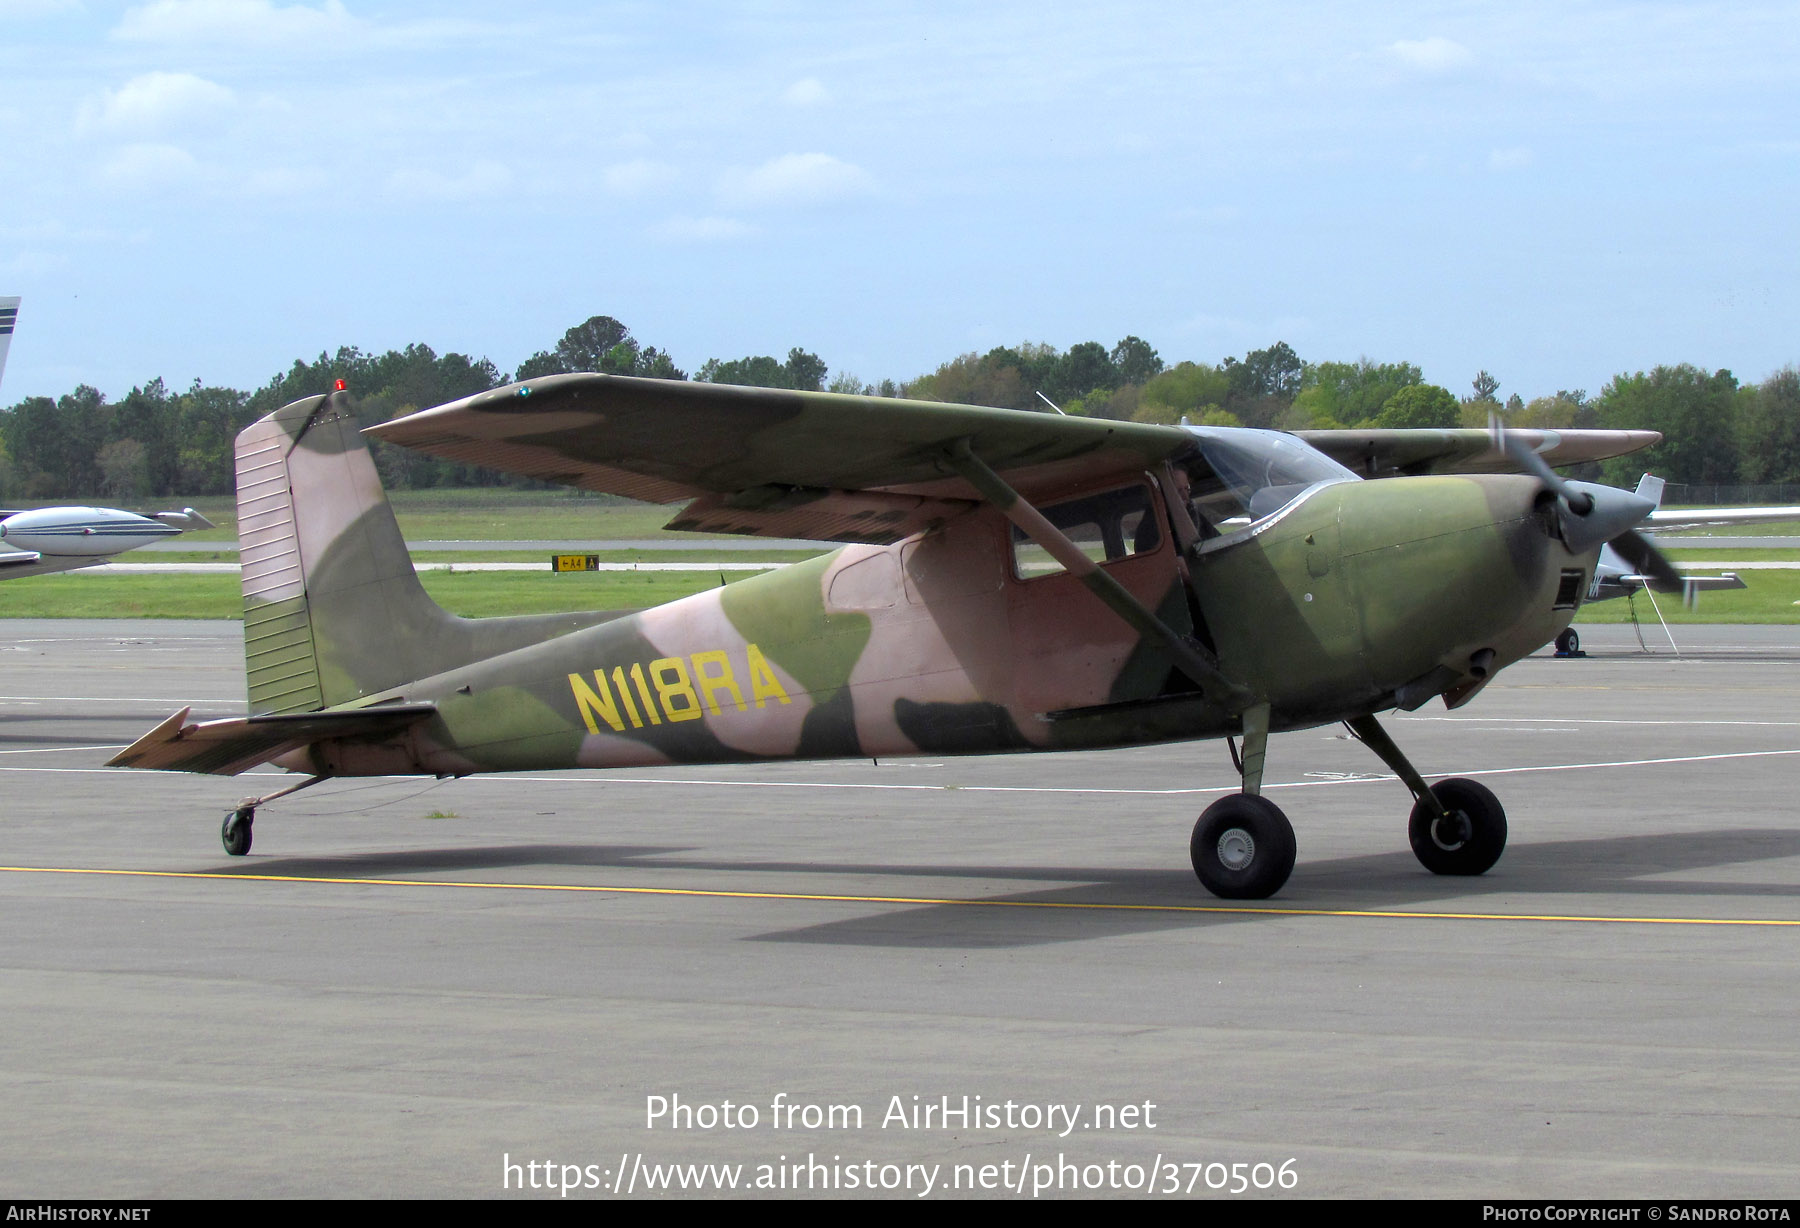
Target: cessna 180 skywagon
(1014,582)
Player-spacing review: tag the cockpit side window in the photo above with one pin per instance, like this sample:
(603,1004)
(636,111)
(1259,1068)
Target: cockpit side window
(1107,527)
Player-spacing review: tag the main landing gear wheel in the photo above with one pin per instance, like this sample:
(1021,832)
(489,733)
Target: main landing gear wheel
(1243,847)
(235,832)
(1469,840)
(1568,643)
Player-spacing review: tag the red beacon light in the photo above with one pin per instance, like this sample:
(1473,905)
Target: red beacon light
(338,386)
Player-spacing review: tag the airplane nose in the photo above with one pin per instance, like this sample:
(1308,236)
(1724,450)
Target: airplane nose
(1610,512)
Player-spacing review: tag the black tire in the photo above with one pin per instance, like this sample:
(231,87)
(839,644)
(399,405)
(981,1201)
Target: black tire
(1569,642)
(235,832)
(1470,841)
(1243,848)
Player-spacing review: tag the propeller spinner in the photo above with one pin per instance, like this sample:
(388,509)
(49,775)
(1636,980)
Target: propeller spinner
(1589,514)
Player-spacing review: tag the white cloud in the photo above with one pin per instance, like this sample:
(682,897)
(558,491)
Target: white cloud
(149,166)
(637,177)
(701,230)
(422,183)
(802,180)
(153,102)
(1516,158)
(807,92)
(1435,55)
(255,22)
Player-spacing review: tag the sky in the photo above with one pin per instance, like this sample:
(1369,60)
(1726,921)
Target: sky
(1553,192)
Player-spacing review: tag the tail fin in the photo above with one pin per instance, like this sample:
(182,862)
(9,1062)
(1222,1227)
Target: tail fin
(333,611)
(1651,488)
(9,316)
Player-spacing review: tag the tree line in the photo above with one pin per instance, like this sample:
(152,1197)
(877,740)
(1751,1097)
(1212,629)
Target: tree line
(159,442)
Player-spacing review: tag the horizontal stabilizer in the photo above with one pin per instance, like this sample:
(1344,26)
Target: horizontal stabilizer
(1712,584)
(227,747)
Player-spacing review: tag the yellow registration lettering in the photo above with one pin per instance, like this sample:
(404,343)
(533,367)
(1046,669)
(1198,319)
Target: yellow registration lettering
(721,679)
(593,703)
(618,677)
(643,690)
(764,686)
(672,683)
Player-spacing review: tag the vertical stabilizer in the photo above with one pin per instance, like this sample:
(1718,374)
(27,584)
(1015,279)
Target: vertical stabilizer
(333,610)
(322,560)
(9,316)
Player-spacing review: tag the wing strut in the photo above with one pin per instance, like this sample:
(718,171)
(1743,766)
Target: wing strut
(1187,656)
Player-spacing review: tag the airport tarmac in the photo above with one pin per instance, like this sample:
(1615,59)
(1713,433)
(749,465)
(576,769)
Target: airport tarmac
(410,986)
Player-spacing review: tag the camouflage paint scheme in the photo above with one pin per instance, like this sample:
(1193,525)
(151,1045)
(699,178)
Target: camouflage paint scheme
(1352,597)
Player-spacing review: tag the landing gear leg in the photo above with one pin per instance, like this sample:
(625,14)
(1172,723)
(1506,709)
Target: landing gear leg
(236,832)
(1457,826)
(1243,846)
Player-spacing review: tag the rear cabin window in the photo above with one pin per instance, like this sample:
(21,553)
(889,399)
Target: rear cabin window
(1106,527)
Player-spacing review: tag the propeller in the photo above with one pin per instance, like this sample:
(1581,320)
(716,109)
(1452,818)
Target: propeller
(1589,514)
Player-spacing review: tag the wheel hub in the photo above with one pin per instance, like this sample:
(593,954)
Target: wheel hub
(1237,848)
(1452,831)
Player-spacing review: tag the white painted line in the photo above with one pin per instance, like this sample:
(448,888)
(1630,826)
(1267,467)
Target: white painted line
(1592,720)
(233,701)
(61,750)
(1736,565)
(143,569)
(505,778)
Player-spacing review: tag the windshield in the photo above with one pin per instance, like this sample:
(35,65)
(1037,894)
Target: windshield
(1255,473)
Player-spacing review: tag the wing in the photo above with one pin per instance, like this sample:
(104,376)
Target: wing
(17,563)
(1672,520)
(768,461)
(1393,453)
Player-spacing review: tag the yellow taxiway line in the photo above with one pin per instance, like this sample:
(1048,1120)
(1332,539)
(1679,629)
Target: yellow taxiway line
(824,897)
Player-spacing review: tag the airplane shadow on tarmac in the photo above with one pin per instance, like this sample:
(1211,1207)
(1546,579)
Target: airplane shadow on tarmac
(1111,902)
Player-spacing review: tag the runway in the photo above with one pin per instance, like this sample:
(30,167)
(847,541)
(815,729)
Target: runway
(413,988)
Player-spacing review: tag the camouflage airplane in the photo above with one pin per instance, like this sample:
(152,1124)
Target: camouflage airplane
(1014,582)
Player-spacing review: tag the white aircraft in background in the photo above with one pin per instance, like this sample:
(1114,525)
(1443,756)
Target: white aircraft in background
(1616,575)
(50,539)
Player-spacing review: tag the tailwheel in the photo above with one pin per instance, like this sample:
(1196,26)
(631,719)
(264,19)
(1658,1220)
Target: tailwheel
(235,832)
(1468,838)
(1243,847)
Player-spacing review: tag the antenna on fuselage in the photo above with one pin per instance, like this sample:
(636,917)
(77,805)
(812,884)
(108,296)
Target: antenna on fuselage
(1052,404)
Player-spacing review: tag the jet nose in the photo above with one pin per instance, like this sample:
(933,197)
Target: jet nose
(1610,512)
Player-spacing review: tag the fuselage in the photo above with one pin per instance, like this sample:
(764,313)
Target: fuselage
(81,532)
(1348,597)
